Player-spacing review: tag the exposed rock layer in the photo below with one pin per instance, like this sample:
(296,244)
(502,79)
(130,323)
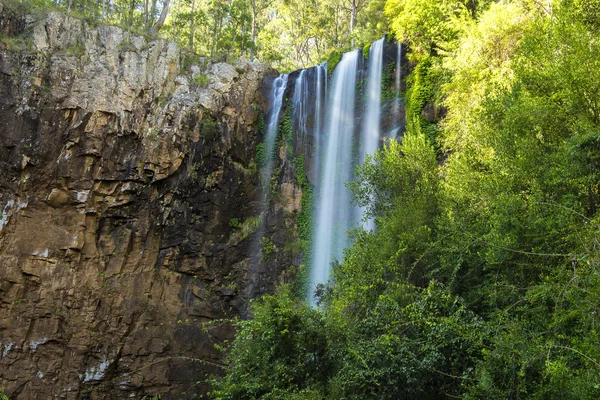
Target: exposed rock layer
(128,200)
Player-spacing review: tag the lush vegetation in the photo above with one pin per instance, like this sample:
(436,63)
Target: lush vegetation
(482,279)
(289,34)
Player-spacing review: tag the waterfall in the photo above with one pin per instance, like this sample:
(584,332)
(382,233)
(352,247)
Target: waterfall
(320,95)
(334,128)
(277,91)
(321,86)
(299,101)
(370,134)
(279,86)
(334,212)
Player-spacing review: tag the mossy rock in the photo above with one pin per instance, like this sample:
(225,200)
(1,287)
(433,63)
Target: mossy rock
(334,59)
(366,50)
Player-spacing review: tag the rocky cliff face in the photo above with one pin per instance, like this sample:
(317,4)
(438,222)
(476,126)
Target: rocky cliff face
(129,203)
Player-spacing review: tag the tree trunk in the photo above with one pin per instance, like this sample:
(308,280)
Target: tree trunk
(352,19)
(151,15)
(232,52)
(242,45)
(146,12)
(253,34)
(69,6)
(162,18)
(192,27)
(130,17)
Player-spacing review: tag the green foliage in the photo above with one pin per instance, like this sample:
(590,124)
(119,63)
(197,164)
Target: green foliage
(2,395)
(388,78)
(398,186)
(15,43)
(21,7)
(234,223)
(413,343)
(261,155)
(279,354)
(201,80)
(366,50)
(286,132)
(422,90)
(372,23)
(289,34)
(333,60)
(76,50)
(305,224)
(208,129)
(267,248)
(427,25)
(241,230)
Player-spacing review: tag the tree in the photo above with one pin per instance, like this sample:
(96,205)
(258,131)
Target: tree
(162,18)
(257,7)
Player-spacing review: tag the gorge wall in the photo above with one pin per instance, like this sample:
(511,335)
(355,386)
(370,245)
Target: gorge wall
(128,192)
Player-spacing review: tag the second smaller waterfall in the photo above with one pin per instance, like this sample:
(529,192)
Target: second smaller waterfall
(371,130)
(279,86)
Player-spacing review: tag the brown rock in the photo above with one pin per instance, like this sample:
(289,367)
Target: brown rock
(118,185)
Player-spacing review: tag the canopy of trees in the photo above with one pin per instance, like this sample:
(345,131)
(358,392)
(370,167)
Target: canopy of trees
(289,34)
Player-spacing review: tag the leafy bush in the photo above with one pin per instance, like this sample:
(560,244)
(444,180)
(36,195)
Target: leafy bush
(267,247)
(281,353)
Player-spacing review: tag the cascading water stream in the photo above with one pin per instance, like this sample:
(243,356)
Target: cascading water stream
(371,132)
(321,86)
(320,94)
(279,86)
(277,91)
(334,212)
(299,101)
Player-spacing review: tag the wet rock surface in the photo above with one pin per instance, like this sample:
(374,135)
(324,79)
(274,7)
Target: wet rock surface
(129,198)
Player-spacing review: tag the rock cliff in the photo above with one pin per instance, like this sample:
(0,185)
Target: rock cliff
(129,202)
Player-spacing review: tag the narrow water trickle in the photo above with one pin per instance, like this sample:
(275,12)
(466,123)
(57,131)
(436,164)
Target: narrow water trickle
(334,211)
(299,101)
(279,86)
(320,96)
(277,91)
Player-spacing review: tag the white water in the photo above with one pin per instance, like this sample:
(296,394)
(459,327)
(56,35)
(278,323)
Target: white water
(321,94)
(371,132)
(334,212)
(299,101)
(277,91)
(279,86)
(321,83)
